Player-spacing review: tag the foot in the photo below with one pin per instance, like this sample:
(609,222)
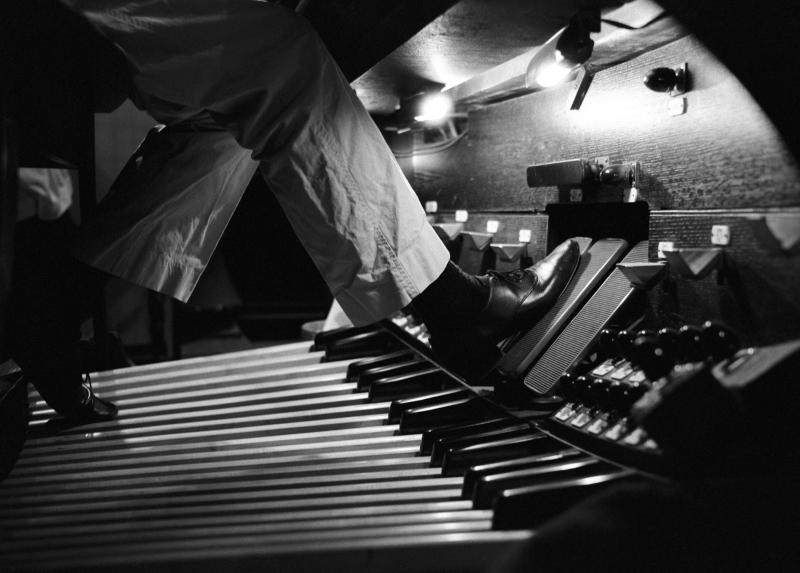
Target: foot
(519,299)
(516,301)
(93,409)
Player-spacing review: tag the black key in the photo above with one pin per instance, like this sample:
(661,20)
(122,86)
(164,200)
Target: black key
(490,486)
(431,379)
(369,376)
(356,368)
(476,472)
(322,339)
(431,435)
(455,442)
(457,461)
(399,406)
(365,344)
(420,419)
(530,506)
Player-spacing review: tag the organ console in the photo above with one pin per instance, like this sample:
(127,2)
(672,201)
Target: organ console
(360,452)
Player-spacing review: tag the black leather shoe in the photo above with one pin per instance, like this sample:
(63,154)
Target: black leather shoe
(93,409)
(517,301)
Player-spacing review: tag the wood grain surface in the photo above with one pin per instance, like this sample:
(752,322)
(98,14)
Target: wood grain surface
(756,291)
(722,153)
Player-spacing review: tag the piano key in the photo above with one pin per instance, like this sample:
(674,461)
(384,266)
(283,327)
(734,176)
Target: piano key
(243,393)
(431,379)
(527,507)
(457,461)
(322,339)
(221,375)
(367,377)
(474,473)
(150,380)
(313,519)
(477,437)
(289,466)
(303,492)
(234,448)
(321,374)
(209,443)
(268,533)
(430,435)
(489,486)
(420,418)
(227,359)
(213,407)
(140,425)
(453,552)
(360,345)
(242,483)
(355,368)
(119,439)
(268,506)
(399,406)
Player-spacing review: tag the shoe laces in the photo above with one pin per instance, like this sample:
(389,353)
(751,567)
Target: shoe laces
(515,276)
(87,383)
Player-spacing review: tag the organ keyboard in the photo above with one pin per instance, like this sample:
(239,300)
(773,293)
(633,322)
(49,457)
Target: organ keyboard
(355,453)
(275,458)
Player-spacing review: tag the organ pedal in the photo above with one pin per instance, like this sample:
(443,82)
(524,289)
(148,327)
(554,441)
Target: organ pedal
(302,457)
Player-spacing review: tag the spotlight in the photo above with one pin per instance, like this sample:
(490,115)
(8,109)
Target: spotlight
(434,108)
(552,73)
(671,80)
(564,52)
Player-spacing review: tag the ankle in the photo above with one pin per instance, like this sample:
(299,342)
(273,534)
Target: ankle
(452,298)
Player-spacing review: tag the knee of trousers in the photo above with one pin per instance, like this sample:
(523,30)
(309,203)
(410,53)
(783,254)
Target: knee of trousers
(290,83)
(314,52)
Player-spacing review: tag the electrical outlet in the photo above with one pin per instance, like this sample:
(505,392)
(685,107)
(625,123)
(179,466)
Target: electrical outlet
(576,195)
(431,206)
(492,226)
(462,216)
(676,106)
(665,246)
(720,235)
(525,235)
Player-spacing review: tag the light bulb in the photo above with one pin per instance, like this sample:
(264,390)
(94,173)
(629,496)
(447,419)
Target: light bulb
(552,73)
(434,108)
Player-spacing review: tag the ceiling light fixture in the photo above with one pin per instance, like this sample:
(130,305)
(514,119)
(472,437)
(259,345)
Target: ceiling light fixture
(562,54)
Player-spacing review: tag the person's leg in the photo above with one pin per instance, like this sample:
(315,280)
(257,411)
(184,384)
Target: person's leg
(263,73)
(336,179)
(363,225)
(49,298)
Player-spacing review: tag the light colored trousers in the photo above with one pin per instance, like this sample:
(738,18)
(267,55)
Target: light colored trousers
(262,75)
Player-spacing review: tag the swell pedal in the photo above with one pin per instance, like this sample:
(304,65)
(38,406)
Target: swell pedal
(573,343)
(596,262)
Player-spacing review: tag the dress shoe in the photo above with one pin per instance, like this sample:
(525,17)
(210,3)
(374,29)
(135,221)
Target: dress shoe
(93,409)
(517,300)
(72,399)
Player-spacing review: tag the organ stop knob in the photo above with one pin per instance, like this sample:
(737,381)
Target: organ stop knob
(718,340)
(650,354)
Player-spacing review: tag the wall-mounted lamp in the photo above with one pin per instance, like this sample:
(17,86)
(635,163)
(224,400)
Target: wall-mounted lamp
(431,118)
(562,54)
(671,80)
